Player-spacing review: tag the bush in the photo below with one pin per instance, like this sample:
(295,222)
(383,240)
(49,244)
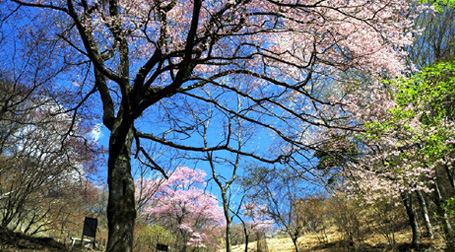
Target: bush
(313,215)
(345,217)
(147,237)
(389,218)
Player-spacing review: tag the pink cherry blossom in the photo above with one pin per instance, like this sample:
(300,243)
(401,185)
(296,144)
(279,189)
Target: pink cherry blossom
(182,205)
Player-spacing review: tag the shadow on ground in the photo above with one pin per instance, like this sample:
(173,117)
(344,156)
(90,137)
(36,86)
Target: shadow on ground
(12,241)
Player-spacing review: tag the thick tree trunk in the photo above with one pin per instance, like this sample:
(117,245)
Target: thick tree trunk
(121,211)
(407,200)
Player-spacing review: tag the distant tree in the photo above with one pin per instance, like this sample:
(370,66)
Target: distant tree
(278,190)
(257,224)
(435,41)
(225,168)
(42,165)
(183,206)
(313,214)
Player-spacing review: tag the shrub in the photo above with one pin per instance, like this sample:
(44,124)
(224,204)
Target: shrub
(147,237)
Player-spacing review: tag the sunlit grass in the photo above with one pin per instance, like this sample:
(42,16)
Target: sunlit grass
(373,242)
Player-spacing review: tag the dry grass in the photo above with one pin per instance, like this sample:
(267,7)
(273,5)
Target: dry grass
(373,243)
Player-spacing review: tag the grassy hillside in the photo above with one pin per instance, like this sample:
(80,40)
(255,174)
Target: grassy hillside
(307,243)
(373,243)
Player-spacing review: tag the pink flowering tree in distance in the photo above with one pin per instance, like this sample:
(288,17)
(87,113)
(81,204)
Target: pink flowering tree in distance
(150,63)
(255,221)
(182,205)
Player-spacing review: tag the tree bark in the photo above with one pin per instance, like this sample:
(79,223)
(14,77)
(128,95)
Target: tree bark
(228,218)
(441,212)
(407,200)
(449,175)
(261,243)
(294,241)
(246,243)
(228,233)
(245,231)
(121,210)
(426,215)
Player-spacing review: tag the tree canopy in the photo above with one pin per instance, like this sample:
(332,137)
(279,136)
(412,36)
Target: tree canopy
(156,71)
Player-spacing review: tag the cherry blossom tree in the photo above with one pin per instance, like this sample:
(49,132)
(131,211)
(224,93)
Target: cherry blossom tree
(399,142)
(255,220)
(182,205)
(146,62)
(380,169)
(403,126)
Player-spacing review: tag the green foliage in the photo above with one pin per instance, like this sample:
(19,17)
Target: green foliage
(329,159)
(433,88)
(439,5)
(429,97)
(334,155)
(420,122)
(431,92)
(147,237)
(449,207)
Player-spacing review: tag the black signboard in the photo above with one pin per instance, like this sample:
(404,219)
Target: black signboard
(90,225)
(162,247)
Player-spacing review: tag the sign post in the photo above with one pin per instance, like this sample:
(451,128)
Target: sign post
(162,247)
(90,225)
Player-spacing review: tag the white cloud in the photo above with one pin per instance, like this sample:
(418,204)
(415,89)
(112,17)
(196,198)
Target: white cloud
(96,133)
